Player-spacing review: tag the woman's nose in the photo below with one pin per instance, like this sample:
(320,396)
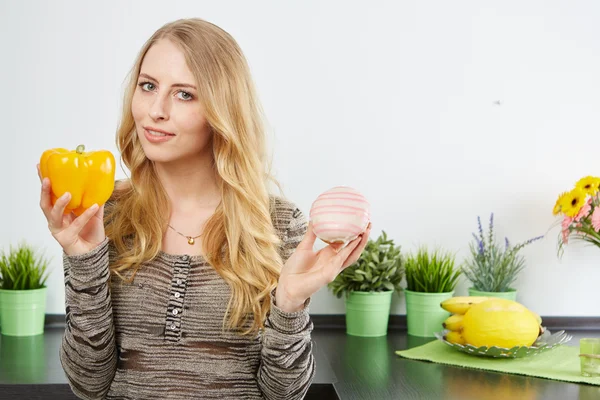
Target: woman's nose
(159,109)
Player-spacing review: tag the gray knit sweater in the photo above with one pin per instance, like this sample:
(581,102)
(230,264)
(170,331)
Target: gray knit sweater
(161,336)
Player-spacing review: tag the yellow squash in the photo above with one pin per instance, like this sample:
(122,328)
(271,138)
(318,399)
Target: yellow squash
(500,322)
(88,176)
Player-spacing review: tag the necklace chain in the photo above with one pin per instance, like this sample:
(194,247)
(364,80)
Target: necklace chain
(191,239)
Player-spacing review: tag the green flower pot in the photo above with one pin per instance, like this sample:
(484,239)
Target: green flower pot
(23,359)
(424,315)
(366,353)
(510,295)
(368,313)
(22,312)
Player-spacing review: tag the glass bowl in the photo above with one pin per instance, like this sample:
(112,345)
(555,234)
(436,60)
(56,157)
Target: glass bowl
(544,342)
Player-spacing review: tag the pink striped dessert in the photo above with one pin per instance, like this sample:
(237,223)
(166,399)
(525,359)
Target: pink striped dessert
(339,215)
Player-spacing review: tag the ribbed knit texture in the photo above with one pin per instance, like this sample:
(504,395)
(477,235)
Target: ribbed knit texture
(161,336)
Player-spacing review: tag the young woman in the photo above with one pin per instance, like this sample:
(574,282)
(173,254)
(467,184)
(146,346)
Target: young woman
(192,281)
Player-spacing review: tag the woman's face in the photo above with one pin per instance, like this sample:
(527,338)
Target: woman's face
(169,118)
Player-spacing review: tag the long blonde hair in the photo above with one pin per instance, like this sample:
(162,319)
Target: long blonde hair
(239,240)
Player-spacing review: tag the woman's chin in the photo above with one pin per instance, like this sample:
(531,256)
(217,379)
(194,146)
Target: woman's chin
(169,156)
(160,156)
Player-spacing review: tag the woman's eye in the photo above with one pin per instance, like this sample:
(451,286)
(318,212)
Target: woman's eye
(184,95)
(147,86)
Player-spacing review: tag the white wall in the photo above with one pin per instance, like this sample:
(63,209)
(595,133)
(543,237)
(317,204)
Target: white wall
(394,98)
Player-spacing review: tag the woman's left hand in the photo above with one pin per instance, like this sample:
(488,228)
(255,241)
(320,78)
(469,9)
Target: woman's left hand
(307,270)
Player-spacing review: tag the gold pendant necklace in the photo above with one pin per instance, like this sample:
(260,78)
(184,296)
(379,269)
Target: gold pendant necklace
(190,239)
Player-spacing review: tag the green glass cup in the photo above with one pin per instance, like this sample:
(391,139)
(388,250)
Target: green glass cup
(589,354)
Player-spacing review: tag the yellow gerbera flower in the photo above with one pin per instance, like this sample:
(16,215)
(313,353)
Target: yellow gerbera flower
(572,202)
(589,185)
(559,201)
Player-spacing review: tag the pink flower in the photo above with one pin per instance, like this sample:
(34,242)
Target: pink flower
(584,211)
(566,222)
(596,219)
(565,229)
(565,236)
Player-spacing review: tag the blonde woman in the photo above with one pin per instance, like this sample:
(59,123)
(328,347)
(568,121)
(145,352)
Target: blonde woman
(192,281)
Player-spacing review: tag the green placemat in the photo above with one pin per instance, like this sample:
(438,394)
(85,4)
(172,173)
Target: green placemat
(560,363)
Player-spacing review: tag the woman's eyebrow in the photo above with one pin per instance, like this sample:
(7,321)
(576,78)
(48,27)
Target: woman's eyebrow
(185,85)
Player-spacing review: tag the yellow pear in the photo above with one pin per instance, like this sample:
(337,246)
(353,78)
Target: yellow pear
(500,322)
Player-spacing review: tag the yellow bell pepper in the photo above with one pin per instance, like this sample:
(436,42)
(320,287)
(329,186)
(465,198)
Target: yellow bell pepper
(88,176)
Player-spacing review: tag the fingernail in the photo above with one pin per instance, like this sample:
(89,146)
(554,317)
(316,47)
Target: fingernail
(65,196)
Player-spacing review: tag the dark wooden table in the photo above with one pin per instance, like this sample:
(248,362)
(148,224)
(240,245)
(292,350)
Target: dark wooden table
(368,368)
(347,368)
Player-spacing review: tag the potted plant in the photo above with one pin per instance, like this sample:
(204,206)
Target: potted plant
(580,212)
(431,277)
(493,268)
(368,285)
(22,291)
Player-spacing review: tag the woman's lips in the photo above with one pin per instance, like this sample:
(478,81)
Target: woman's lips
(157,136)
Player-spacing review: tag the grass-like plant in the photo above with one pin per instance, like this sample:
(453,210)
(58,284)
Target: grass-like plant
(431,271)
(493,267)
(22,268)
(379,268)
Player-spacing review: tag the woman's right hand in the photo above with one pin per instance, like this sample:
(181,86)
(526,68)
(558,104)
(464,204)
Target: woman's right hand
(76,235)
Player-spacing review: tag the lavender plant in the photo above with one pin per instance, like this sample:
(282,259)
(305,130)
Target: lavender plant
(493,267)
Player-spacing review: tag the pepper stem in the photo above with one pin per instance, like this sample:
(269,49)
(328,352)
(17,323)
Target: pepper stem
(80,149)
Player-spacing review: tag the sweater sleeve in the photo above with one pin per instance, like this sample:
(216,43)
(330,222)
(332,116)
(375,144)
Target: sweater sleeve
(88,353)
(287,364)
